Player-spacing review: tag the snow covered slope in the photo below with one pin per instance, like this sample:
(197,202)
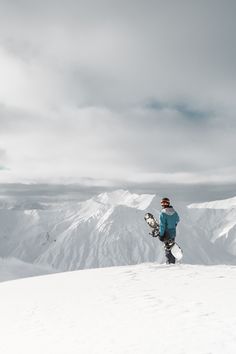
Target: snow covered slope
(140,309)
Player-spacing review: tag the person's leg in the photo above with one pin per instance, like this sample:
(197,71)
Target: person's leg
(170,259)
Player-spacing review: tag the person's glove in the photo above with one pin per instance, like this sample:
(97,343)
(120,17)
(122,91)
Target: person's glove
(155,233)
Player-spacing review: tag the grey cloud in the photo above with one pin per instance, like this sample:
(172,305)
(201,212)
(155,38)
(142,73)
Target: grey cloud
(191,113)
(126,51)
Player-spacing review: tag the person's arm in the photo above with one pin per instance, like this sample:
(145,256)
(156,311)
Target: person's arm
(162,223)
(177,219)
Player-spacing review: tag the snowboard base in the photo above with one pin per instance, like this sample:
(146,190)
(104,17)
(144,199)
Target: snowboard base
(176,251)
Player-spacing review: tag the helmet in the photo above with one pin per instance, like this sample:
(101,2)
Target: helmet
(165,201)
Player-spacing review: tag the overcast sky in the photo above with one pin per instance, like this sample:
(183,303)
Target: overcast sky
(107,92)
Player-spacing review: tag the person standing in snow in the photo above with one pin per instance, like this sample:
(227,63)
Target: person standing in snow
(168,221)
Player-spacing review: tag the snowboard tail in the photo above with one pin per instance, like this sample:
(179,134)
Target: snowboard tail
(176,251)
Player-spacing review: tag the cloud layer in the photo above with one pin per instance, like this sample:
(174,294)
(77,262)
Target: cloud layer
(117,91)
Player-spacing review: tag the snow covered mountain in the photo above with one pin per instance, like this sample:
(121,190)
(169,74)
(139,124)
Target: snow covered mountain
(109,230)
(140,309)
(12,268)
(217,222)
(103,231)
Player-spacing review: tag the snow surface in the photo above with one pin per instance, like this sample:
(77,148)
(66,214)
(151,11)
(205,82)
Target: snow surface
(142,309)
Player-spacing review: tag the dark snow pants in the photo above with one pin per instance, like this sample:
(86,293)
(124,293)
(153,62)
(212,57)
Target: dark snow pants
(168,242)
(170,259)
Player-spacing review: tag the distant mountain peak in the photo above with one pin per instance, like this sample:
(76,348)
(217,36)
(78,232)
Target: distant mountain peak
(126,198)
(218,204)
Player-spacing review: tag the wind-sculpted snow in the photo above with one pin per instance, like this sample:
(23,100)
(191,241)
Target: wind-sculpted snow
(109,230)
(140,309)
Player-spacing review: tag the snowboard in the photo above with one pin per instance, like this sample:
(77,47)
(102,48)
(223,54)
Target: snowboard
(152,222)
(176,251)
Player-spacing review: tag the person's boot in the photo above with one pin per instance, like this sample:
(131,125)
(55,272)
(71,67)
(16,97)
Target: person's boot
(170,259)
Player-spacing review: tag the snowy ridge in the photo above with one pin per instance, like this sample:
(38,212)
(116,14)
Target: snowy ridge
(133,310)
(122,197)
(218,204)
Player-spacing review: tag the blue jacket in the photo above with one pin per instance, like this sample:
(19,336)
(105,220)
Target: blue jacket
(168,221)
